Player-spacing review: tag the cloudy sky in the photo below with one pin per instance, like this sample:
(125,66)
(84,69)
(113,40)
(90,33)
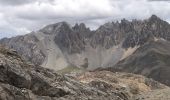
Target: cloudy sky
(19,17)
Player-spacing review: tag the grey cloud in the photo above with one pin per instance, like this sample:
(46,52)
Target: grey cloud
(158,0)
(15,2)
(21,2)
(31,15)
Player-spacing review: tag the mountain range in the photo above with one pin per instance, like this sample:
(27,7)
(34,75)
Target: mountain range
(137,46)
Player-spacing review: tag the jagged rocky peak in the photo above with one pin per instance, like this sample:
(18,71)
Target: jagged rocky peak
(106,26)
(157,27)
(80,26)
(146,30)
(106,35)
(124,23)
(158,22)
(55,28)
(82,30)
(154,18)
(71,40)
(64,27)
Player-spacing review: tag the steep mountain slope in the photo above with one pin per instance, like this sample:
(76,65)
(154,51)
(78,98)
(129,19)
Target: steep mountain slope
(59,45)
(22,81)
(151,60)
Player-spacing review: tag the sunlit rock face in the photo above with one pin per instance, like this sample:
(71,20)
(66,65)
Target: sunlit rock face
(60,45)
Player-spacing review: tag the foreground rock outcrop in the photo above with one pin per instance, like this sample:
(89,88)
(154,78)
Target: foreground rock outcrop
(20,80)
(126,85)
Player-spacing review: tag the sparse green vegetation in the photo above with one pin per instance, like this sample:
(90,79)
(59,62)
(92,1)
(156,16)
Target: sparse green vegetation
(70,69)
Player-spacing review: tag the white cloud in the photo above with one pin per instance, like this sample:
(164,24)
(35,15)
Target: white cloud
(81,9)
(23,16)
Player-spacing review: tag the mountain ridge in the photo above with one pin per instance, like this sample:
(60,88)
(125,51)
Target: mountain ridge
(59,45)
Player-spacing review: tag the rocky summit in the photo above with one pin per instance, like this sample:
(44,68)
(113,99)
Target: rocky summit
(21,80)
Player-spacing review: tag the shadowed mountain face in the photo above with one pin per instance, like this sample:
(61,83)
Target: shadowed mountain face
(152,60)
(59,45)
